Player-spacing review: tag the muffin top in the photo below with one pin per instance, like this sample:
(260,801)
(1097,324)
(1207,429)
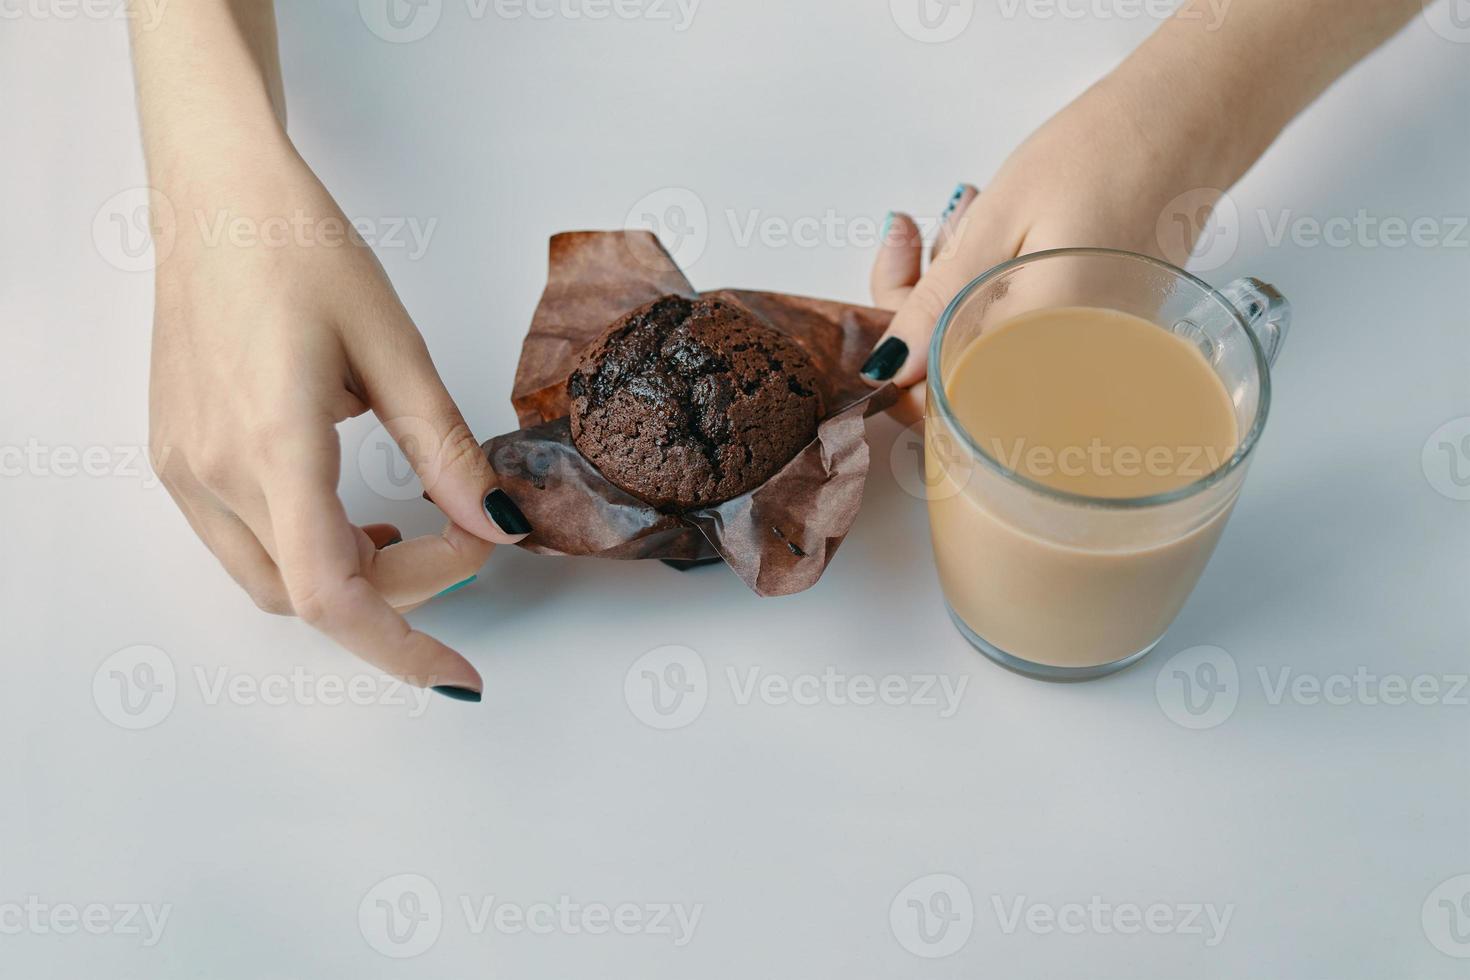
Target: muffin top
(685,403)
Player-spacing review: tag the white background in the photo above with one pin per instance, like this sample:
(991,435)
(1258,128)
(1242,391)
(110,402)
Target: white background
(265,827)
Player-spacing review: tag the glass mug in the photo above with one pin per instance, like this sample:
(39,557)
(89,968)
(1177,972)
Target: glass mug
(1059,585)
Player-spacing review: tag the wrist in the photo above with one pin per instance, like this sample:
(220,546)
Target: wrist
(1228,90)
(220,203)
(209,115)
(192,157)
(1187,128)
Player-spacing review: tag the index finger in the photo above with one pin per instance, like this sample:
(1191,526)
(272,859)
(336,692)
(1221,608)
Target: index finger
(322,565)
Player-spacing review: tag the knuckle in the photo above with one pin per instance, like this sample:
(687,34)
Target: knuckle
(213,467)
(159,450)
(270,598)
(311,601)
(167,456)
(266,439)
(459,450)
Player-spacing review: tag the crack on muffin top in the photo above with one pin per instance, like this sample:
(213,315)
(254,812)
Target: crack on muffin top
(686,403)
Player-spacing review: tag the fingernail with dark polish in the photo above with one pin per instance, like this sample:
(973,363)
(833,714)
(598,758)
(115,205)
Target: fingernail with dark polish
(458,693)
(389,544)
(455,587)
(885,360)
(954,201)
(504,512)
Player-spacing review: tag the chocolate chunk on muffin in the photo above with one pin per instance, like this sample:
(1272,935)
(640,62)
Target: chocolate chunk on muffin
(685,403)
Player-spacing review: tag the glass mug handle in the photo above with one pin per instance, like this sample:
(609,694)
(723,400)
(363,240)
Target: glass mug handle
(1266,312)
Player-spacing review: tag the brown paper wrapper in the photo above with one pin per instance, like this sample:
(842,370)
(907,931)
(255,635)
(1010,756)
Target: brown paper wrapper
(779,537)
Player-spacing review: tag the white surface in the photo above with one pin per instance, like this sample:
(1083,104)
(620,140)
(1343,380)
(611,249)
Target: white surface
(1325,828)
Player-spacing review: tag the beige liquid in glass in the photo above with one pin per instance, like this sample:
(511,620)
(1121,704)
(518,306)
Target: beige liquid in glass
(1095,402)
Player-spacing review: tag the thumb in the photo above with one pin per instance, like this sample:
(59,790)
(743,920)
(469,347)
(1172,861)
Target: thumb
(902,353)
(404,390)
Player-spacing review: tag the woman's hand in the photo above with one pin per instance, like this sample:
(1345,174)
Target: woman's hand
(1134,160)
(260,347)
(273,323)
(1091,176)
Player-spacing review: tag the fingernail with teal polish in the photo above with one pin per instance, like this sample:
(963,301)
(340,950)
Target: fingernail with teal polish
(458,693)
(887,224)
(954,200)
(455,587)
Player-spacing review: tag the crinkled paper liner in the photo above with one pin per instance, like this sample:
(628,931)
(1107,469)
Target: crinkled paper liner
(778,537)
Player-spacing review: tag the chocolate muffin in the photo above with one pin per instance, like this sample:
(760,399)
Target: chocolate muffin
(685,403)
